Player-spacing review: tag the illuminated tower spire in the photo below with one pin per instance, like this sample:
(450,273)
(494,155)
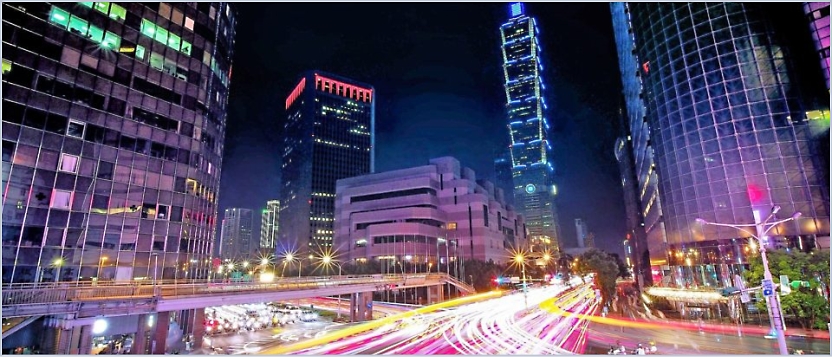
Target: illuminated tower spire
(532,168)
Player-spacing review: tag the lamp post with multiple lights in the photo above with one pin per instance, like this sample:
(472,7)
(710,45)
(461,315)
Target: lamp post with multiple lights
(520,259)
(327,261)
(762,228)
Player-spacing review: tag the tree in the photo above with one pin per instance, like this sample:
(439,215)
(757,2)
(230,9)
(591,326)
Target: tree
(483,273)
(605,269)
(623,270)
(810,309)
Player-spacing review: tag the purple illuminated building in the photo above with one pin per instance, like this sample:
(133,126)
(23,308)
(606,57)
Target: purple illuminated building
(424,216)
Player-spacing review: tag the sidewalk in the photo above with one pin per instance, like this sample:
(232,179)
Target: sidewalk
(723,327)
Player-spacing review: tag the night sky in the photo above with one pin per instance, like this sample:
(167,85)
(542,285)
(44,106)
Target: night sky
(436,69)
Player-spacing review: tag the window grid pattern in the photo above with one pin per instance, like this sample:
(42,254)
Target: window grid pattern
(65,130)
(723,118)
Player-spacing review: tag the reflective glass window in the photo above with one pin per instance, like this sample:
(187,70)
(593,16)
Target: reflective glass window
(58,16)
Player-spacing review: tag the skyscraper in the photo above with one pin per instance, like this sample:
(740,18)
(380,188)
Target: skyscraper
(113,126)
(237,240)
(581,231)
(329,135)
(532,170)
(502,168)
(269,226)
(726,92)
(817,13)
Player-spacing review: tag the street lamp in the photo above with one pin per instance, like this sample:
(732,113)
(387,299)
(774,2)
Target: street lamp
(100,265)
(289,258)
(58,263)
(763,227)
(327,260)
(519,259)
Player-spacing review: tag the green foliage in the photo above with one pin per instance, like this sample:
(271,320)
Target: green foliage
(482,273)
(809,308)
(605,269)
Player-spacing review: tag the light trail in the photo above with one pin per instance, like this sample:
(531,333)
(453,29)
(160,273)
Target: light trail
(484,324)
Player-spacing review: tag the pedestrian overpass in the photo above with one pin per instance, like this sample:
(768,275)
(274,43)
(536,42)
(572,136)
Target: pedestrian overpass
(142,297)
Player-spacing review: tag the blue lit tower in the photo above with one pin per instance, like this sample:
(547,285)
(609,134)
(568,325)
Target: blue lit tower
(532,171)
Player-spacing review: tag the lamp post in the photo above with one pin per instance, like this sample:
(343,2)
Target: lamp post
(100,266)
(58,263)
(327,260)
(762,228)
(155,266)
(519,259)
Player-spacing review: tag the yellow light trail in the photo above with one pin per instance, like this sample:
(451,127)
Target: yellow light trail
(282,350)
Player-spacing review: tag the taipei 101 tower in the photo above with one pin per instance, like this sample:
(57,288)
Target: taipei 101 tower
(532,170)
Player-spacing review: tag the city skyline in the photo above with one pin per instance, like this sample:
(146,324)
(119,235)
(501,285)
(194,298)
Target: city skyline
(450,75)
(420,178)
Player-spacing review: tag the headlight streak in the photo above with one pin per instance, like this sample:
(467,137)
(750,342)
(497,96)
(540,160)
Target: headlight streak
(493,326)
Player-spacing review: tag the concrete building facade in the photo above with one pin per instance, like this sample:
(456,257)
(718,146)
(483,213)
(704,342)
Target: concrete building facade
(424,215)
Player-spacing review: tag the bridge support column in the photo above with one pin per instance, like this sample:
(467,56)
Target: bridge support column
(436,294)
(142,338)
(160,336)
(198,328)
(361,307)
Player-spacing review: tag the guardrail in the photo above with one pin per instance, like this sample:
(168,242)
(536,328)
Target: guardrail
(63,293)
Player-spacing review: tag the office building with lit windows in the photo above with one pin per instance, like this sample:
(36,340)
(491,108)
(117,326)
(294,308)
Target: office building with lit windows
(269,226)
(113,124)
(329,135)
(236,238)
(728,100)
(424,216)
(532,170)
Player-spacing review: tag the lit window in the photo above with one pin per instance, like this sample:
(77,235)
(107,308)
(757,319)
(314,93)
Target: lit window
(186,48)
(174,42)
(111,40)
(61,199)
(161,35)
(7,66)
(162,212)
(95,34)
(117,12)
(157,61)
(59,17)
(69,163)
(103,7)
(78,26)
(212,13)
(148,28)
(87,4)
(140,52)
(189,23)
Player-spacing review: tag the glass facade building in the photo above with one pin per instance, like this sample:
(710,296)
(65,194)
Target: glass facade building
(113,125)
(722,94)
(817,13)
(269,226)
(237,241)
(532,170)
(504,180)
(329,135)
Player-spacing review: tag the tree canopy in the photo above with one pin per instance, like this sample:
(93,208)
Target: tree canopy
(605,269)
(806,305)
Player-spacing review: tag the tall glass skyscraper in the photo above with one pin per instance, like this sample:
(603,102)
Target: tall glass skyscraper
(532,170)
(237,241)
(269,226)
(724,93)
(329,135)
(113,125)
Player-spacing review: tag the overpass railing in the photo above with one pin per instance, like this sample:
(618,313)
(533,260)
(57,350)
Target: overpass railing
(67,292)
